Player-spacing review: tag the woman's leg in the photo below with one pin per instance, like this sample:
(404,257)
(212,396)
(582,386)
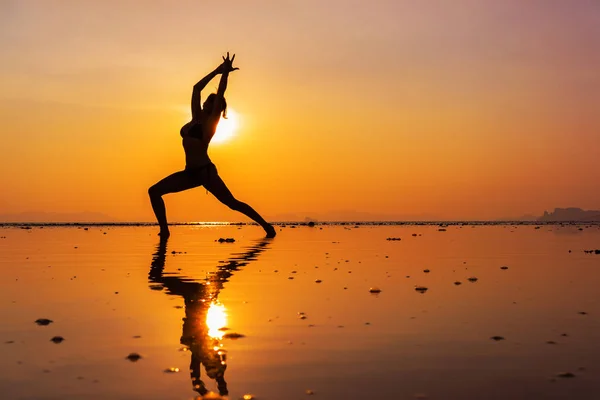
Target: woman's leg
(217,187)
(173,183)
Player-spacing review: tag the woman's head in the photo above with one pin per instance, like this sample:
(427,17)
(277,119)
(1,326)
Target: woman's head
(210,102)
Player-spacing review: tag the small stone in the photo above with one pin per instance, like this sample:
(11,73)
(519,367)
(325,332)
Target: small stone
(43,321)
(309,392)
(421,289)
(473,279)
(374,290)
(426,271)
(497,338)
(550,342)
(504,267)
(171,370)
(318,281)
(248,397)
(566,375)
(133,357)
(233,335)
(57,339)
(458,283)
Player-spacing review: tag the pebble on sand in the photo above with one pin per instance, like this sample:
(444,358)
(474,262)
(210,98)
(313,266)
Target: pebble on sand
(309,392)
(43,321)
(57,339)
(566,375)
(458,283)
(171,370)
(318,281)
(374,289)
(421,289)
(473,279)
(248,397)
(233,335)
(133,357)
(504,267)
(497,338)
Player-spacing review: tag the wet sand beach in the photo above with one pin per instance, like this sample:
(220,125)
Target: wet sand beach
(329,312)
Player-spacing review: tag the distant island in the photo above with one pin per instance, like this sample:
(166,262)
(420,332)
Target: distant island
(41,216)
(570,214)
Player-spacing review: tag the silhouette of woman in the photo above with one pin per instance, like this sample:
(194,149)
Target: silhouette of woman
(199,170)
(206,350)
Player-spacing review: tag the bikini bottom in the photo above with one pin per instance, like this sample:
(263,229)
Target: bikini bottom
(200,175)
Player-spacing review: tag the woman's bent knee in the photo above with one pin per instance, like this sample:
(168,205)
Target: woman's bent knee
(153,191)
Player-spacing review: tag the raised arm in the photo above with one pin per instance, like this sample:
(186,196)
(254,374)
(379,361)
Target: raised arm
(198,88)
(227,67)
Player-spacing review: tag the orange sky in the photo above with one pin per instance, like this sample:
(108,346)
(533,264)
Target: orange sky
(460,109)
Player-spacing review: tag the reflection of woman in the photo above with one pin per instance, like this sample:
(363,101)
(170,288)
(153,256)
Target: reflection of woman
(198,298)
(199,170)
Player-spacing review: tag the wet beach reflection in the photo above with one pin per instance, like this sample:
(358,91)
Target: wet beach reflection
(205,321)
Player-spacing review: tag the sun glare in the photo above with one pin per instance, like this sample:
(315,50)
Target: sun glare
(216,318)
(226,128)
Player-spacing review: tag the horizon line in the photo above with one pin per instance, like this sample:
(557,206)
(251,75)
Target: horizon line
(303,222)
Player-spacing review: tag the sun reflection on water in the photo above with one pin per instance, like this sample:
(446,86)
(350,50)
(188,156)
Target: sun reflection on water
(216,318)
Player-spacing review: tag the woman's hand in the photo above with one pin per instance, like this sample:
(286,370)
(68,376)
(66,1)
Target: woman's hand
(227,65)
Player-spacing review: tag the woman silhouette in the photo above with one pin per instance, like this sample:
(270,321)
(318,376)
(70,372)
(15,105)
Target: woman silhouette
(199,170)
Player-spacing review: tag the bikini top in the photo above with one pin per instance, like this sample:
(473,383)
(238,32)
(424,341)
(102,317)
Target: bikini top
(194,131)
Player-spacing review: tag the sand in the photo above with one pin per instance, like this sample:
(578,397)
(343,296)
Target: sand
(327,311)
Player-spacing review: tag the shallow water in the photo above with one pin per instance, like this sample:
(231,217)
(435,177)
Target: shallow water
(111,291)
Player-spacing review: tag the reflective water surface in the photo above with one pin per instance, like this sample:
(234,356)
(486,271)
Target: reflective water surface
(502,312)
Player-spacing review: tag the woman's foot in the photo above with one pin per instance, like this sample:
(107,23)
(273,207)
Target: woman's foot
(164,233)
(270,230)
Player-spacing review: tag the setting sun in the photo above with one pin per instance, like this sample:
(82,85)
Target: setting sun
(227,127)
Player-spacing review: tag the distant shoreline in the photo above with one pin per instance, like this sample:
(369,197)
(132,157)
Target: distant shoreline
(296,223)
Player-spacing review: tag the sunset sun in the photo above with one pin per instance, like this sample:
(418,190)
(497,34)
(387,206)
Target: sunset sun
(227,127)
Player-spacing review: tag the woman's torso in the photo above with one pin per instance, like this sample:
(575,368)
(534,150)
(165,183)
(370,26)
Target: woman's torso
(195,140)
